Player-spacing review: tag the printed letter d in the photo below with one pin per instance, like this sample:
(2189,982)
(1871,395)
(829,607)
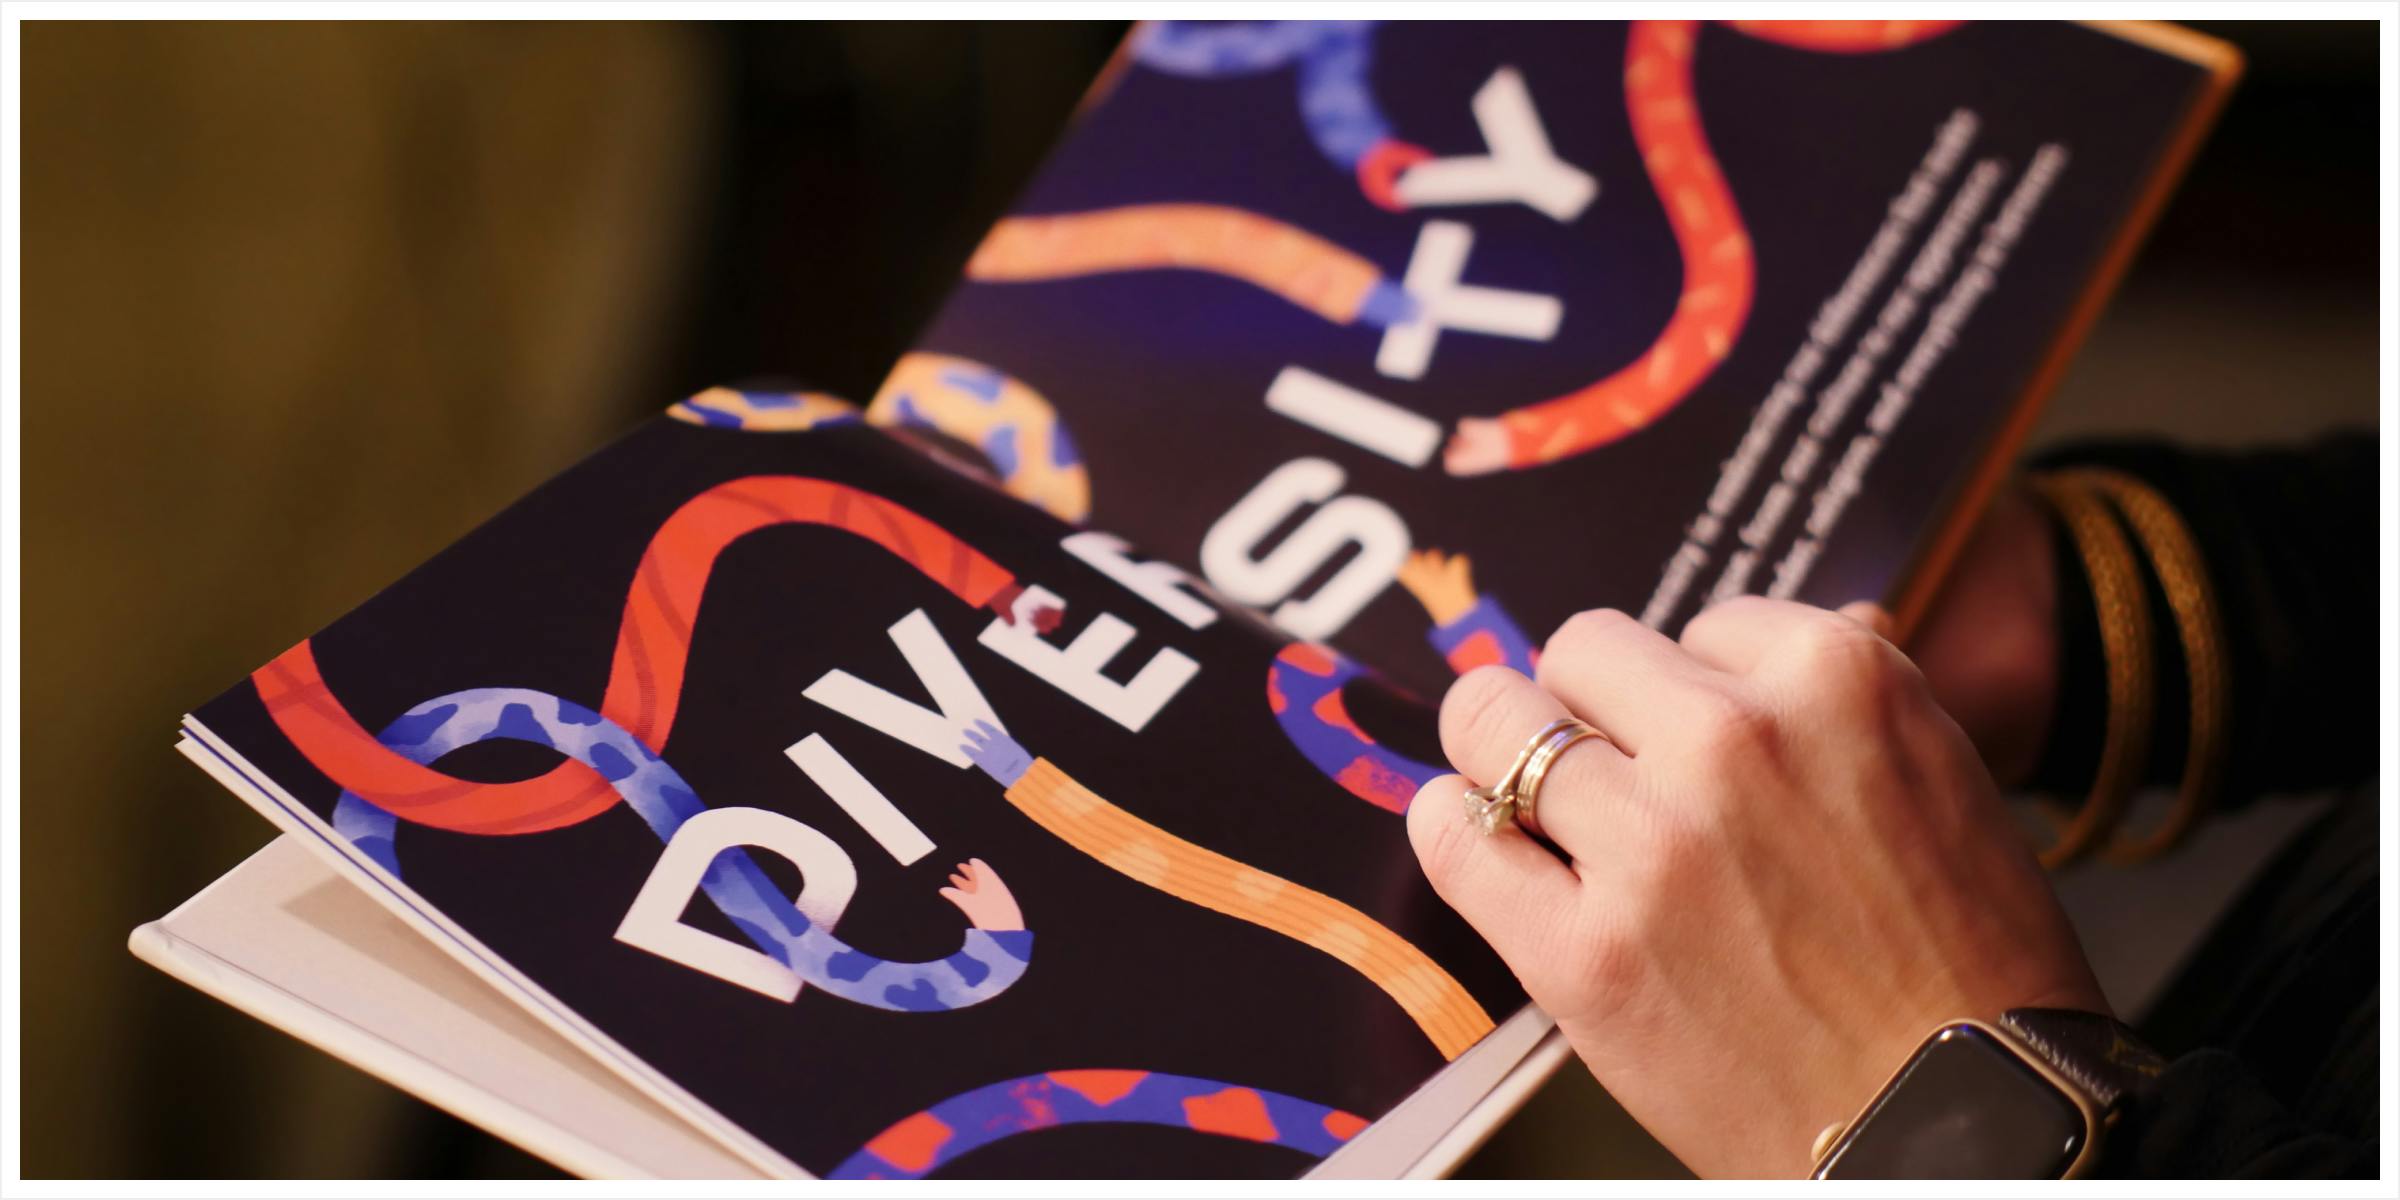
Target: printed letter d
(655,921)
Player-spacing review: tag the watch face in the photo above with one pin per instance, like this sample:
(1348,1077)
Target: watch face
(1966,1107)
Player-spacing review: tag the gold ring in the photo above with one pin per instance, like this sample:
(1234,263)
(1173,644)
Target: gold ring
(1552,747)
(1510,797)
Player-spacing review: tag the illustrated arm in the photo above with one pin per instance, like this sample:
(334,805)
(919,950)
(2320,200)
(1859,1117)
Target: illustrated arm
(1470,629)
(1447,1014)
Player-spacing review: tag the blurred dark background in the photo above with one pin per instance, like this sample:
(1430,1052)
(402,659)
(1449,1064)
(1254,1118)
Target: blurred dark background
(304,302)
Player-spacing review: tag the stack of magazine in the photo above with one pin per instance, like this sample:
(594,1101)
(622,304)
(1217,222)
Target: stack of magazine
(1004,775)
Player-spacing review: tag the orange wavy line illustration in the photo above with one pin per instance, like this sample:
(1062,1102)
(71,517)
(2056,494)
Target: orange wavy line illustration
(1288,261)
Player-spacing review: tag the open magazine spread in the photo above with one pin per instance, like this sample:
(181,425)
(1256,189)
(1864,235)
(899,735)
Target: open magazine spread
(884,827)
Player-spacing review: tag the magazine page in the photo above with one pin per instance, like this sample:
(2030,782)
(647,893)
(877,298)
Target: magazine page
(1526,318)
(286,939)
(880,824)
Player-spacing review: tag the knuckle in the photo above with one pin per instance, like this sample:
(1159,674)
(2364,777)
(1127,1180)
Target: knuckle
(1832,637)
(1852,662)
(1732,610)
(1582,634)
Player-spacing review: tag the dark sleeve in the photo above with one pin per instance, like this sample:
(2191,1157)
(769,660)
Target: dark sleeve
(2208,1118)
(2274,1022)
(2288,537)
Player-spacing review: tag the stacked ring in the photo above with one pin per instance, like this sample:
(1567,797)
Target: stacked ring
(1547,751)
(1518,792)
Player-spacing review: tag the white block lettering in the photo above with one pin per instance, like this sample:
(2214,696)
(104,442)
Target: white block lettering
(1378,533)
(1443,303)
(1519,168)
(1076,669)
(655,920)
(865,803)
(1367,421)
(1159,582)
(936,733)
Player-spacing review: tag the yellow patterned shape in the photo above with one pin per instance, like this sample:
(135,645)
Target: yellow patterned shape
(1012,424)
(725,408)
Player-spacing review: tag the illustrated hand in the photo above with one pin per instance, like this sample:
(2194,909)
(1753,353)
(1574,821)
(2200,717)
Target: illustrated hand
(999,755)
(1989,644)
(1440,582)
(1008,603)
(1479,446)
(977,891)
(1787,866)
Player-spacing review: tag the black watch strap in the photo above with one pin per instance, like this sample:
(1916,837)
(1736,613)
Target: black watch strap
(2100,1053)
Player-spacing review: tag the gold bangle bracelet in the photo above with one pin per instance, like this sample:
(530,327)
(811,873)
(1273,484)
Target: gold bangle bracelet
(2183,575)
(2124,613)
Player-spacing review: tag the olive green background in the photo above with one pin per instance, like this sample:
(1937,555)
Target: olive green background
(303,302)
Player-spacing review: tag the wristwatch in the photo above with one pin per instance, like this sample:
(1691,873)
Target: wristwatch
(2026,1098)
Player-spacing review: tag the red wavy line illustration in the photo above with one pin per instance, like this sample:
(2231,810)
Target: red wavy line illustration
(1845,37)
(646,673)
(1718,272)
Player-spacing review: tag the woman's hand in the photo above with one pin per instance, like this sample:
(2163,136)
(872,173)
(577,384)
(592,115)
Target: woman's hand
(1786,870)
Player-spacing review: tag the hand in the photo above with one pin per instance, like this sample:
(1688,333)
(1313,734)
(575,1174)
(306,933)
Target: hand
(1442,584)
(1016,607)
(1786,866)
(1989,643)
(977,891)
(1479,446)
(990,748)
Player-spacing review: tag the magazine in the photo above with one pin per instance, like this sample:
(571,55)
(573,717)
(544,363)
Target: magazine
(1004,775)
